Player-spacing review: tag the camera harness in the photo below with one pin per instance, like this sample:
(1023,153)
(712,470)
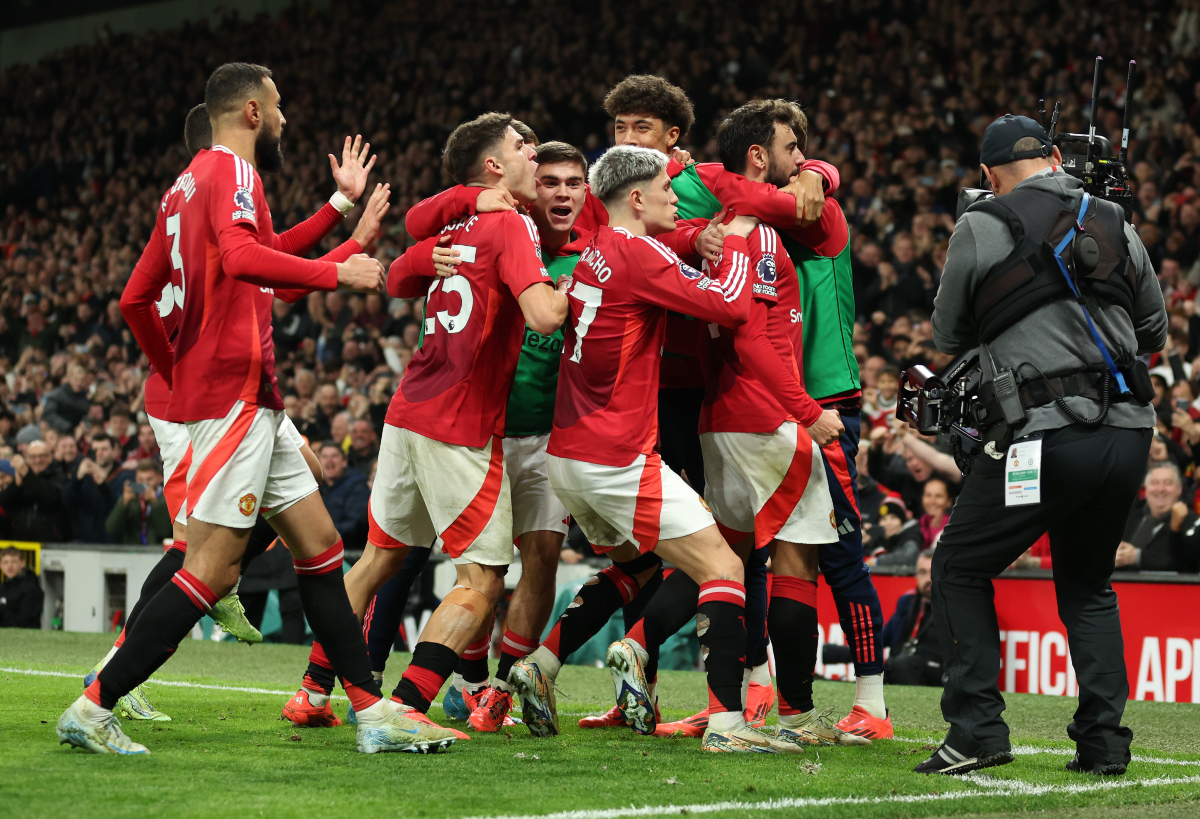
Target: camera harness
(1091,260)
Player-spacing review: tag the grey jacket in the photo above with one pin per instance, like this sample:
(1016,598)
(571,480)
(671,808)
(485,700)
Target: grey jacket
(1053,338)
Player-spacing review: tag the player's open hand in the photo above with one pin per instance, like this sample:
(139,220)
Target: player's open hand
(361,273)
(351,175)
(445,257)
(492,200)
(809,190)
(827,429)
(367,230)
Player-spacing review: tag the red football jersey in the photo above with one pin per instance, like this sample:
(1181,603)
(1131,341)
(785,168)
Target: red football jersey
(455,389)
(215,227)
(606,411)
(754,373)
(159,279)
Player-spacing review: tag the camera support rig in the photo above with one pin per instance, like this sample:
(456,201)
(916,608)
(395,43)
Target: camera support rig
(1103,175)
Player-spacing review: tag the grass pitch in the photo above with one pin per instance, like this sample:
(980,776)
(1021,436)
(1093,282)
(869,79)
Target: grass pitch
(227,754)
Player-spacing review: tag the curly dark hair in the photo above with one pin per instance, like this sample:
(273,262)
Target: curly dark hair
(649,94)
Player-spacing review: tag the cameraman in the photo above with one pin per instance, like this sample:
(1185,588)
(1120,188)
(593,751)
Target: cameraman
(1000,254)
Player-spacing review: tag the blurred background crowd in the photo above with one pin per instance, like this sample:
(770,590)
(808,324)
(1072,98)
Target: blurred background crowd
(898,93)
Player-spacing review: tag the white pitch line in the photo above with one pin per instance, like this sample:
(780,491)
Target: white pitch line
(1012,789)
(1021,750)
(243,689)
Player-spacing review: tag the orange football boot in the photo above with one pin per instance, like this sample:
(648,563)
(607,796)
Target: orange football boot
(860,723)
(300,711)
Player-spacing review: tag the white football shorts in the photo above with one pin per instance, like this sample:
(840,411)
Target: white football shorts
(535,507)
(426,489)
(245,463)
(642,503)
(772,484)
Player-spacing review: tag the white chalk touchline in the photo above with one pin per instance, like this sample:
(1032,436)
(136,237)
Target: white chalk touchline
(243,689)
(1008,788)
(1033,749)
(1017,749)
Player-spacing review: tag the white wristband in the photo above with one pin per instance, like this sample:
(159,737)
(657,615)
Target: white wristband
(339,201)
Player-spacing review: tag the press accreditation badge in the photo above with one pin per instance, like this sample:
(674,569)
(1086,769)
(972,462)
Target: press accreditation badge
(1023,473)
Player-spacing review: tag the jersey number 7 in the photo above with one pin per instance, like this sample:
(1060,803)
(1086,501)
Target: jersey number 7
(591,298)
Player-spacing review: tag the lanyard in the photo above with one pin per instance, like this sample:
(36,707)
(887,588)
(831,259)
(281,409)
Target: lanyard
(1066,240)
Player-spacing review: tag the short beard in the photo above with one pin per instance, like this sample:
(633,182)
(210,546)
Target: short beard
(268,153)
(776,175)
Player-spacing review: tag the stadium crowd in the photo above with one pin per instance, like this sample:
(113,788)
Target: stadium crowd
(897,96)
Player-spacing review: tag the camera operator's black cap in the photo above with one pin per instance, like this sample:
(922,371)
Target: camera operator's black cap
(1004,133)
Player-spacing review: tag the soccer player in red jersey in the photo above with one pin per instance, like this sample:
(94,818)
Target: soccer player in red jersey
(217,236)
(651,112)
(764,475)
(441,467)
(819,247)
(603,459)
(142,301)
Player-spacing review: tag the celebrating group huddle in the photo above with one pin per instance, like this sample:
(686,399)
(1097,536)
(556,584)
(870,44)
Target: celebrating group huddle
(553,295)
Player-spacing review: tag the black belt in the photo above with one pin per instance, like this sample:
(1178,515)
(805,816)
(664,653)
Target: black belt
(1046,390)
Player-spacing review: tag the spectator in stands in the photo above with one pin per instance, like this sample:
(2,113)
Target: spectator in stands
(915,656)
(901,541)
(33,501)
(346,494)
(902,462)
(147,446)
(21,595)
(67,404)
(364,449)
(881,408)
(141,516)
(1161,534)
(319,419)
(66,455)
(936,501)
(93,489)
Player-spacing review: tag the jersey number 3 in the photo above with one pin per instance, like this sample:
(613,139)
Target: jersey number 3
(172,295)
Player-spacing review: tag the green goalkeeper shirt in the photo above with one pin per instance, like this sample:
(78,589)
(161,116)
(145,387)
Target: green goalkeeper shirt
(535,383)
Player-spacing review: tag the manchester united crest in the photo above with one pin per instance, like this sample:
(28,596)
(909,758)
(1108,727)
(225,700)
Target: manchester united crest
(247,505)
(832,519)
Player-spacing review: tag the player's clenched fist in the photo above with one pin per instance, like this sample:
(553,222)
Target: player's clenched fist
(361,272)
(827,429)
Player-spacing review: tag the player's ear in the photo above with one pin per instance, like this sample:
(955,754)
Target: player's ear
(672,136)
(637,201)
(757,156)
(253,112)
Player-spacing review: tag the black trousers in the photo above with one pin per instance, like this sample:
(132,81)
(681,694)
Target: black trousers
(291,612)
(912,669)
(1089,481)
